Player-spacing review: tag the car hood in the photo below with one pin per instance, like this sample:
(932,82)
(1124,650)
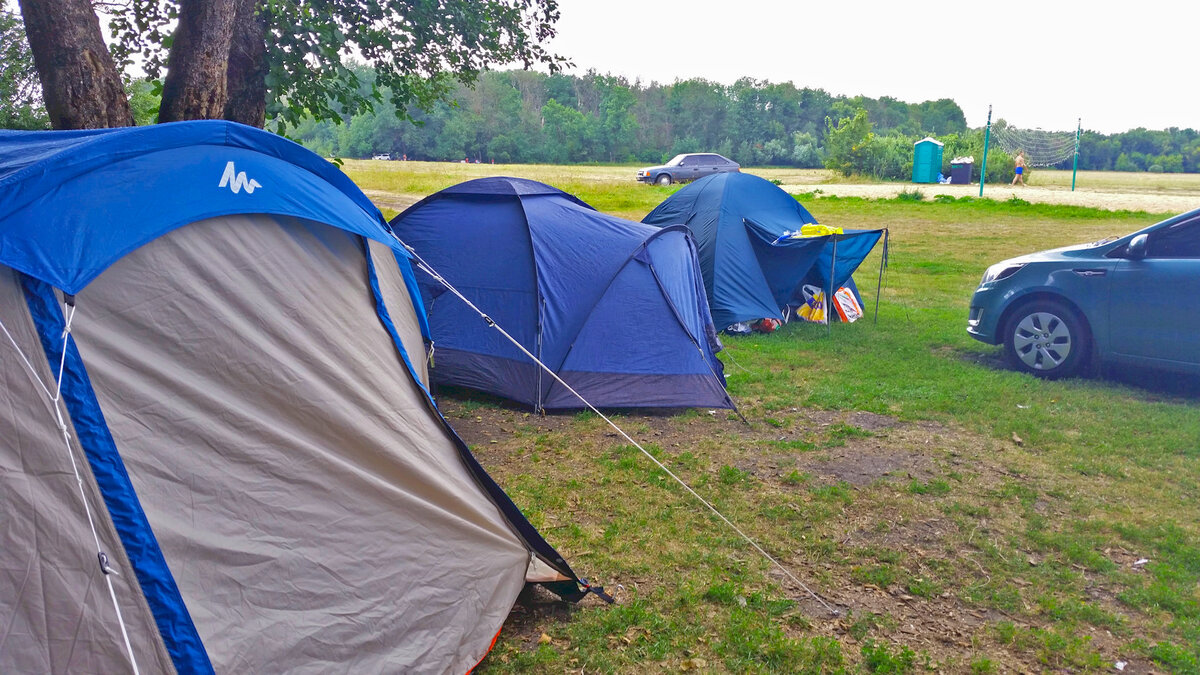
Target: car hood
(1096,249)
(655,168)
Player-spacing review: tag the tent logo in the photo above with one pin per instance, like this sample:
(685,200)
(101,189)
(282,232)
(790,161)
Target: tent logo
(236,180)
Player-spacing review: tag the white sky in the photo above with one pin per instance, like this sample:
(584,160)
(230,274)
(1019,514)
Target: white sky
(1041,63)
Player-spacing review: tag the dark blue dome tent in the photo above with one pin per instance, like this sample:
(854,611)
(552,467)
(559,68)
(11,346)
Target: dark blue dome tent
(613,307)
(752,268)
(217,448)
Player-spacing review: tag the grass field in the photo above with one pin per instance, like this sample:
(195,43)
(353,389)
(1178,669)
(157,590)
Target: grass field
(963,517)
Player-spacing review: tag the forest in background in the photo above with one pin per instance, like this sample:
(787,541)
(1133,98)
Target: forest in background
(521,116)
(530,117)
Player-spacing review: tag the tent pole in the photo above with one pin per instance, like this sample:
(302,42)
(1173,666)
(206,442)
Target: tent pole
(882,262)
(987,137)
(1075,164)
(829,295)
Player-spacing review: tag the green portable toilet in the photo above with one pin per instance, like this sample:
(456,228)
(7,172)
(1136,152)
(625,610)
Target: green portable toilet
(927,160)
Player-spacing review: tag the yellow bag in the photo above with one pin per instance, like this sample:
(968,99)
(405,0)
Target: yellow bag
(814,304)
(815,230)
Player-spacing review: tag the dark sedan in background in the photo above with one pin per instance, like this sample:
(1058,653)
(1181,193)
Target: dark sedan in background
(687,167)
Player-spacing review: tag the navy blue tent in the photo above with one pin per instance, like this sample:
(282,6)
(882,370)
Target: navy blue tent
(751,267)
(615,308)
(218,452)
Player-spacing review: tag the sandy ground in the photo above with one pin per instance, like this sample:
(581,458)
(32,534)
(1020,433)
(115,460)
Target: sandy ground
(1115,200)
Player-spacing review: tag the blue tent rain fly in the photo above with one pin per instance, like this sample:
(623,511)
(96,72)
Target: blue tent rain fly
(752,264)
(217,448)
(613,307)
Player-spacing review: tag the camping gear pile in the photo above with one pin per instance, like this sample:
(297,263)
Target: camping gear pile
(759,247)
(218,440)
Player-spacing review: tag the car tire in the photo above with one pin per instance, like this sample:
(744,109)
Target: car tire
(1048,339)
(663,179)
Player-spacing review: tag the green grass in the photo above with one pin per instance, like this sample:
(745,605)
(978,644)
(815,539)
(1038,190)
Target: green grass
(939,512)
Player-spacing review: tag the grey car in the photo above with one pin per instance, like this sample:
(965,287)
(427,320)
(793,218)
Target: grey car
(687,167)
(1133,300)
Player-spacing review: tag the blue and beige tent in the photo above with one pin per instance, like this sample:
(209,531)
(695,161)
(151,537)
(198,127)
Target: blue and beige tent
(753,265)
(217,447)
(615,308)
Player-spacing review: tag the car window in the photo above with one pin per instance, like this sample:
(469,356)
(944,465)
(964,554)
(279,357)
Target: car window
(1181,240)
(676,160)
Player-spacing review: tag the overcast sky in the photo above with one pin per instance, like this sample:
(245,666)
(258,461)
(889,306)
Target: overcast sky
(1039,64)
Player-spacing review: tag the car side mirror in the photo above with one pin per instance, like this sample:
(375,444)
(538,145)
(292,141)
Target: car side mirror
(1136,249)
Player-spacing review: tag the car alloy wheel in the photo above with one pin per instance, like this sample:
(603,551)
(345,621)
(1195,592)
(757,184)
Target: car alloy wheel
(1046,338)
(664,179)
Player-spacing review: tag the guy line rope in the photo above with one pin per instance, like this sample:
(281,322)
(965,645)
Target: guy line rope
(56,399)
(425,267)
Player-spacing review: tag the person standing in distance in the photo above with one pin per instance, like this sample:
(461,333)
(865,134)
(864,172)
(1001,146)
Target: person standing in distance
(1020,169)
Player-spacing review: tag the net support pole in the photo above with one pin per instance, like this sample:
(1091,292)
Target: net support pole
(987,137)
(1075,164)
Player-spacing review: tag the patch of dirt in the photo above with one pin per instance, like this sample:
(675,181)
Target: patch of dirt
(878,455)
(869,421)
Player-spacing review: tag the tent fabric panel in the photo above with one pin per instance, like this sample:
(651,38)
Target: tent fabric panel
(853,246)
(697,209)
(404,262)
(578,253)
(741,291)
(507,185)
(633,329)
(458,328)
(634,352)
(482,248)
(405,315)
(158,586)
(69,235)
(638,391)
(59,616)
(314,510)
(36,162)
(786,267)
(516,379)
(673,265)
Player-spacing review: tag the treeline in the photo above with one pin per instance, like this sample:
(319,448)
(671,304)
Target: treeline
(1174,150)
(529,117)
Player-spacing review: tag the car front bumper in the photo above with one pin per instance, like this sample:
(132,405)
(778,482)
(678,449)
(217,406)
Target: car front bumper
(984,315)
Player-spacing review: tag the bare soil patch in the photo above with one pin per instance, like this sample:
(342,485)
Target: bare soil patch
(879,465)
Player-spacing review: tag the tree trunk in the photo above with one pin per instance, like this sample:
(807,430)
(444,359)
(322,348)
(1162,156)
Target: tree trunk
(194,88)
(80,82)
(246,75)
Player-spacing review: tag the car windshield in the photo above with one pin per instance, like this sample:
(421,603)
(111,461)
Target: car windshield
(676,160)
(1101,242)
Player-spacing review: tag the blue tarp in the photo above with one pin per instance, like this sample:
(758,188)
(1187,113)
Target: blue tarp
(613,307)
(751,267)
